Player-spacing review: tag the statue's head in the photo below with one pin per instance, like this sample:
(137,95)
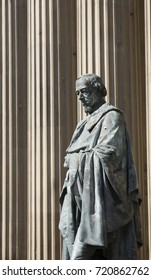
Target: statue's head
(91,91)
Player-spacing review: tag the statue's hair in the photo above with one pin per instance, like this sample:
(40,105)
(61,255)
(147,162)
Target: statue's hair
(95,81)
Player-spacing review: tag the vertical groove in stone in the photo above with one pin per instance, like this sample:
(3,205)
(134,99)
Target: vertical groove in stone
(52,132)
(138,114)
(38,130)
(106,47)
(79,52)
(89,26)
(29,204)
(114,53)
(16,255)
(84,35)
(22,125)
(32,136)
(148,107)
(44,132)
(79,37)
(4,171)
(97,38)
(10,132)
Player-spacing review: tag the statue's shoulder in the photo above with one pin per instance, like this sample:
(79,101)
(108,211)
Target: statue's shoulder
(109,108)
(104,111)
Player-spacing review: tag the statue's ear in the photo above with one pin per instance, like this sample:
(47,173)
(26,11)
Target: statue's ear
(95,84)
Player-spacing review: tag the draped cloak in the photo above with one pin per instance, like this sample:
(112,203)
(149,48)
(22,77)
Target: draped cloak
(99,198)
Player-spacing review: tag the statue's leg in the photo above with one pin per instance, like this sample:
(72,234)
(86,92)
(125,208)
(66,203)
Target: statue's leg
(124,246)
(99,255)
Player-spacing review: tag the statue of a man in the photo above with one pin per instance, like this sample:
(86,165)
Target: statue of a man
(100,203)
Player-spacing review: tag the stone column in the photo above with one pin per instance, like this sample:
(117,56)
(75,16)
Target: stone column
(13,142)
(110,43)
(37,118)
(51,64)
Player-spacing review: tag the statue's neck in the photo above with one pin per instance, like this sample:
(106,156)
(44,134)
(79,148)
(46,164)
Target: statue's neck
(96,106)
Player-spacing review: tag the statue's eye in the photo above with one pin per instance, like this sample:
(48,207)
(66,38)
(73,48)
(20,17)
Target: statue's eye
(84,90)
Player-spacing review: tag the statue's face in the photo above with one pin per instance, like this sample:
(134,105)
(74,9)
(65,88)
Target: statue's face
(88,95)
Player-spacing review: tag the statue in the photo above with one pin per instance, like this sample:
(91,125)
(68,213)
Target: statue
(100,199)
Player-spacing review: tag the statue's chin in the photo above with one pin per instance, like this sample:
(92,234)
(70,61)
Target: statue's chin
(88,110)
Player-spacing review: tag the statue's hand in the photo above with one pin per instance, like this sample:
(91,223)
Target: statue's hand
(66,161)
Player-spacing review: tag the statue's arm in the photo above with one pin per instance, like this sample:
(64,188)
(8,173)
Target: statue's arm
(111,142)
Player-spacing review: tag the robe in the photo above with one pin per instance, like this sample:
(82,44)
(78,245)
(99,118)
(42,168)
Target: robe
(100,198)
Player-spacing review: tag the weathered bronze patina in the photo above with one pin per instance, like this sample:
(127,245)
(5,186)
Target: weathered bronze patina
(100,203)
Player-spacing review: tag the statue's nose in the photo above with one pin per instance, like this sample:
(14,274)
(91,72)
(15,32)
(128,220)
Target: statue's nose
(80,96)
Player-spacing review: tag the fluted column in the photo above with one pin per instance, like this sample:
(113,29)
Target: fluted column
(148,107)
(37,118)
(110,43)
(13,143)
(51,72)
